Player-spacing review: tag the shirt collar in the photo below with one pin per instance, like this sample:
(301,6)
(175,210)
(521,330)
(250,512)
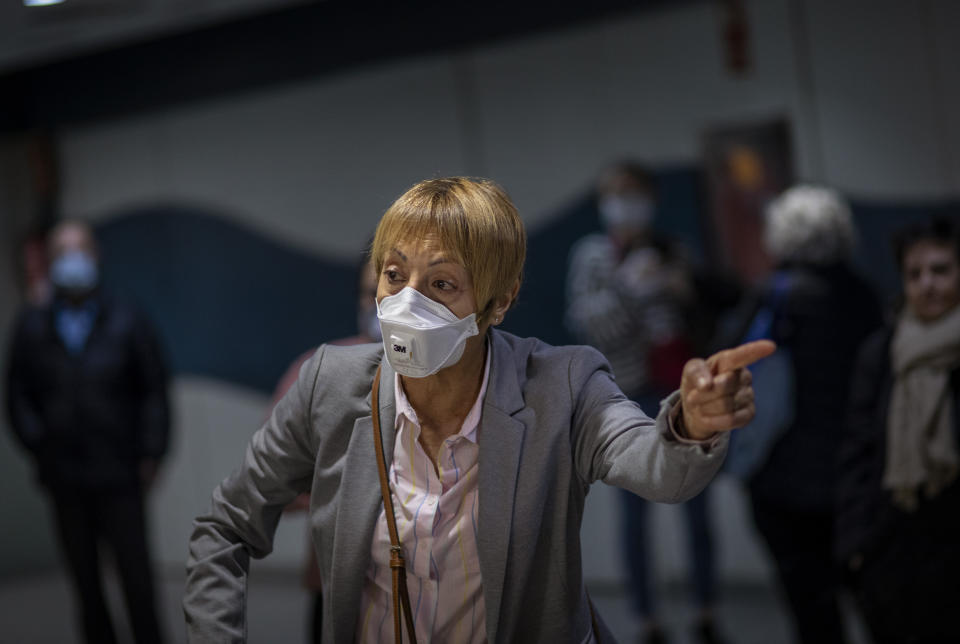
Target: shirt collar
(469,428)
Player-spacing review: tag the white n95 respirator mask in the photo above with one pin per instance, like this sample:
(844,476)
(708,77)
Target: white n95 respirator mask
(626,211)
(420,336)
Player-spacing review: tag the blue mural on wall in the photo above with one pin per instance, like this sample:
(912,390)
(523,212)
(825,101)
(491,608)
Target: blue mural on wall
(234,304)
(229,302)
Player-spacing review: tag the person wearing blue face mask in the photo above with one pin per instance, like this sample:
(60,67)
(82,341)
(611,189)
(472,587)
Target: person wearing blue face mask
(87,397)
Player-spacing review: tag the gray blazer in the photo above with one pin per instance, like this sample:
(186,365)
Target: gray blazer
(553,422)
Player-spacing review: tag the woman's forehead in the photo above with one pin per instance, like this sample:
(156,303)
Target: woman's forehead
(426,246)
(925,250)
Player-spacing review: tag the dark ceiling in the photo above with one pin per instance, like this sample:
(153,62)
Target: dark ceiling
(282,46)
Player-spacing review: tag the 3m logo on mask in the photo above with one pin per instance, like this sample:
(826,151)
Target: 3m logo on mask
(402,347)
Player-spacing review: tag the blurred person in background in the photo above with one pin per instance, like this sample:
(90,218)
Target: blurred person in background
(368,330)
(484,446)
(87,397)
(631,294)
(818,311)
(898,524)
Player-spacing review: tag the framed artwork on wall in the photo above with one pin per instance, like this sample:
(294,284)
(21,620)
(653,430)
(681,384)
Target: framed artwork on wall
(746,166)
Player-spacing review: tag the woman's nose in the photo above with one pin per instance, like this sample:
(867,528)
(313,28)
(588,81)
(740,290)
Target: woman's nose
(926,280)
(418,283)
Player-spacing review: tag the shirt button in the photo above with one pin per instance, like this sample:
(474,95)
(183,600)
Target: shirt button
(432,500)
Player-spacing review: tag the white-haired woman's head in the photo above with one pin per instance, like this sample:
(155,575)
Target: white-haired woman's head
(809,225)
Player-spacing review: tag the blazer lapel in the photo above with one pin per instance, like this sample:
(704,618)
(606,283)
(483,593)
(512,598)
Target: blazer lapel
(500,438)
(360,506)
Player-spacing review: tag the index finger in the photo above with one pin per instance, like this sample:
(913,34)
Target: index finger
(742,356)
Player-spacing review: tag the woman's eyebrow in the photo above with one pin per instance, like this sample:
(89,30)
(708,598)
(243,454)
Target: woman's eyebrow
(398,252)
(440,260)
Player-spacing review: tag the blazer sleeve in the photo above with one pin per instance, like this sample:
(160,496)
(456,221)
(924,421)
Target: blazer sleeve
(244,513)
(615,442)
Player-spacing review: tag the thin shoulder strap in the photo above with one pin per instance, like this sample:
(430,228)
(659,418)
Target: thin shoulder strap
(401,598)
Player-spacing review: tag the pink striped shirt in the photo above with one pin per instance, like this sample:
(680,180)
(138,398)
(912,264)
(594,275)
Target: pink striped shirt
(437,524)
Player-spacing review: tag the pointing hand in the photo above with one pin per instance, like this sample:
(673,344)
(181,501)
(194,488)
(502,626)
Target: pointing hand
(716,393)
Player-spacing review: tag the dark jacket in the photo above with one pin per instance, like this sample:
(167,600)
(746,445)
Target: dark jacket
(867,522)
(88,419)
(825,315)
(903,567)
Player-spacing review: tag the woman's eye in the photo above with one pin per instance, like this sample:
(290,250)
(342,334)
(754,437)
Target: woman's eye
(443,285)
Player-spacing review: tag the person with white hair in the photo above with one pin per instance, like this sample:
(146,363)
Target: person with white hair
(818,310)
(811,225)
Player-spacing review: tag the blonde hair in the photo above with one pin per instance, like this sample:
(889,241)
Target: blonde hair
(810,224)
(473,220)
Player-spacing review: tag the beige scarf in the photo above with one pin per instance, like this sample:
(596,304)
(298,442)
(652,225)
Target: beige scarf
(921,450)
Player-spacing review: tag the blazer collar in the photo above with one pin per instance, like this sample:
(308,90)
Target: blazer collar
(503,390)
(501,443)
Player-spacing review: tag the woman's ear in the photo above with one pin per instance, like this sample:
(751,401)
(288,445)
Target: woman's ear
(503,303)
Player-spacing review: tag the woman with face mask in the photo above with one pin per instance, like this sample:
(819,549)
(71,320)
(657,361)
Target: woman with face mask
(448,465)
(631,295)
(898,535)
